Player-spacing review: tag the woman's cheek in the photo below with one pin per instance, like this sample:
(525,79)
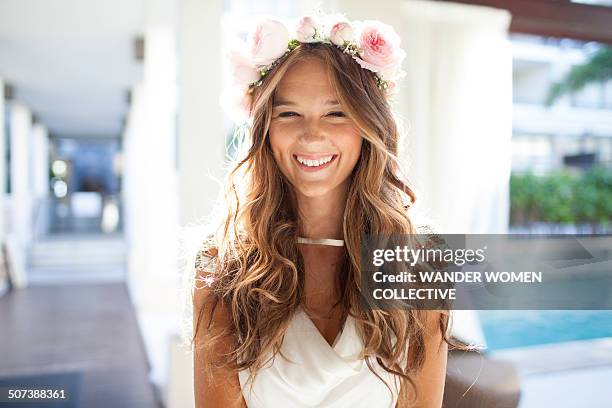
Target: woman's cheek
(280,142)
(282,131)
(351,140)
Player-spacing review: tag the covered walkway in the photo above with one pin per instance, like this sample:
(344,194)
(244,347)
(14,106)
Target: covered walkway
(84,335)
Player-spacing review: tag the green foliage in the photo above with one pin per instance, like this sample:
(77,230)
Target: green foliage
(562,197)
(594,196)
(597,69)
(555,197)
(523,201)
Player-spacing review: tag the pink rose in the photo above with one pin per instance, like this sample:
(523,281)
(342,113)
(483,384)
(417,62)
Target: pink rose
(243,70)
(268,42)
(341,32)
(380,50)
(306,30)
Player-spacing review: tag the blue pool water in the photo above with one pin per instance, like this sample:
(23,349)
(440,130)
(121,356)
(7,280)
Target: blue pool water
(518,328)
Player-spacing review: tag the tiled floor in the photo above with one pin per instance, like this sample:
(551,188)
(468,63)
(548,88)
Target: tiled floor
(91,329)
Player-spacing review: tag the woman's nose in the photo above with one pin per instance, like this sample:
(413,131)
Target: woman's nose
(312,132)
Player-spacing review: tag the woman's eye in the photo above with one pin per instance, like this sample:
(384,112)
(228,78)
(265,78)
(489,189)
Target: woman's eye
(337,114)
(286,114)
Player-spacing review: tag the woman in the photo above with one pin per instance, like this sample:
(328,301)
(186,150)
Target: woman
(277,314)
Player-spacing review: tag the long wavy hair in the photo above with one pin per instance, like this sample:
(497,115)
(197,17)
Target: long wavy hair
(259,271)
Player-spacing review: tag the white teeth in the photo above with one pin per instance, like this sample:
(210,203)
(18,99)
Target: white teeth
(315,163)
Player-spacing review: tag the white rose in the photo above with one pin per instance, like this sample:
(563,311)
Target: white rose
(306,30)
(341,32)
(268,42)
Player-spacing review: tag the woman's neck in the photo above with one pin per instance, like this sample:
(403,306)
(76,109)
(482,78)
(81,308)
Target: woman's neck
(322,216)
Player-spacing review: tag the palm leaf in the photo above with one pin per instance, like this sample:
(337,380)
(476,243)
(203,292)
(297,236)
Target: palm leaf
(597,69)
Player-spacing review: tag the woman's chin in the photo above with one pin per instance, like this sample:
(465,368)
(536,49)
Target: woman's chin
(314,190)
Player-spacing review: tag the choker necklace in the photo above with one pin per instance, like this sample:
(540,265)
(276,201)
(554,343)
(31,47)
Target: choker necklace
(321,241)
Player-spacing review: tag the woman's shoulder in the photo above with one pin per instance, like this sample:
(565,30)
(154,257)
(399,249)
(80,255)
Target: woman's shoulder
(205,266)
(421,220)
(429,234)
(205,295)
(206,258)
(425,228)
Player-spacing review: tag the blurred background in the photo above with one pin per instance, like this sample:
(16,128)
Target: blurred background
(112,144)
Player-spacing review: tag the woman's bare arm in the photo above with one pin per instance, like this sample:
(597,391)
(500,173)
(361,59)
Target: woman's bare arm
(429,381)
(223,389)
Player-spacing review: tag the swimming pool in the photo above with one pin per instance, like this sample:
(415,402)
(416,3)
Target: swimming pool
(519,328)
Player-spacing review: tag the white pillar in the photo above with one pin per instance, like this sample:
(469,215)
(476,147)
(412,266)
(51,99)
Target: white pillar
(39,178)
(133,189)
(3,149)
(201,142)
(457,101)
(3,277)
(152,191)
(40,161)
(21,192)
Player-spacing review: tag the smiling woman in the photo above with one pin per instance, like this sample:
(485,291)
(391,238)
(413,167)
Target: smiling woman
(314,143)
(278,317)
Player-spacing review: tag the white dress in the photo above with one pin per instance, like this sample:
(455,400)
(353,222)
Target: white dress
(319,375)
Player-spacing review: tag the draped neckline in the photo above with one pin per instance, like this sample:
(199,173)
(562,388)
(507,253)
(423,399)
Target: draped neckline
(310,323)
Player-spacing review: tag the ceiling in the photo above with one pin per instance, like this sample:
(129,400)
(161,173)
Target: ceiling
(71,61)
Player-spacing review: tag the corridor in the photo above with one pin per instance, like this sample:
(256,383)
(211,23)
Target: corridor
(81,337)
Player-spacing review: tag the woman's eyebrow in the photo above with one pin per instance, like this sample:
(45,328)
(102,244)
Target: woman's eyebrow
(281,102)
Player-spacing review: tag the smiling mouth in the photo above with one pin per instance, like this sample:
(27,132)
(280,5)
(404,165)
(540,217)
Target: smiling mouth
(314,164)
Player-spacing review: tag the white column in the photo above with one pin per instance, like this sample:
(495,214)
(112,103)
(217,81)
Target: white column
(457,101)
(133,174)
(39,178)
(21,192)
(3,277)
(201,142)
(152,192)
(3,149)
(40,161)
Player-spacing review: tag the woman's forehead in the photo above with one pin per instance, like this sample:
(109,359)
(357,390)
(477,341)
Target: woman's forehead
(308,78)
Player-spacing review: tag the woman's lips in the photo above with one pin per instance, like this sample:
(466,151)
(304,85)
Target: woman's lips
(314,168)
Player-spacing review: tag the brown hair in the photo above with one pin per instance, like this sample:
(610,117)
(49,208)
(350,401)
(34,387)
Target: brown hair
(259,272)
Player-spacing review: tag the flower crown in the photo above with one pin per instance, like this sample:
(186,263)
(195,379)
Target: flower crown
(374,45)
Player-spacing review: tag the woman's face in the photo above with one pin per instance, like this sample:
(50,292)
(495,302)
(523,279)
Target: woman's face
(315,145)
